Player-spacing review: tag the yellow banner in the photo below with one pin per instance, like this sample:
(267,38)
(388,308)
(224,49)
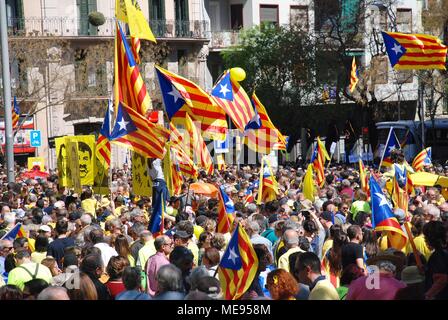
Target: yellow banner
(62,161)
(129,11)
(36,161)
(140,179)
(73,170)
(86,153)
(101,177)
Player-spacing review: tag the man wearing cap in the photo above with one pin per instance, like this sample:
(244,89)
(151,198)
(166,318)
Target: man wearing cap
(45,231)
(415,285)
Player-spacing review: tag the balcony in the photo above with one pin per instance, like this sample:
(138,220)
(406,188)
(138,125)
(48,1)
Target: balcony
(224,39)
(69,27)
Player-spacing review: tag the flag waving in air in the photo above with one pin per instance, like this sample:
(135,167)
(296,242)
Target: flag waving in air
(391,144)
(129,11)
(137,133)
(414,51)
(225,211)
(180,157)
(383,218)
(320,155)
(422,159)
(129,86)
(136,46)
(102,148)
(308,184)
(353,76)
(16,232)
(363,177)
(182,96)
(232,98)
(268,186)
(15,114)
(198,148)
(238,265)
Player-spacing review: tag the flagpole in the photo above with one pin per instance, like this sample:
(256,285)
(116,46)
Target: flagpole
(385,147)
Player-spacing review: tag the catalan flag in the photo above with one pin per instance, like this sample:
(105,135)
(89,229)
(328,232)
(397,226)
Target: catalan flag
(392,143)
(16,232)
(268,186)
(320,155)
(103,150)
(225,212)
(15,114)
(182,96)
(353,76)
(198,148)
(363,177)
(423,158)
(129,86)
(238,265)
(176,172)
(266,137)
(383,218)
(232,98)
(180,157)
(130,12)
(414,51)
(137,133)
(136,46)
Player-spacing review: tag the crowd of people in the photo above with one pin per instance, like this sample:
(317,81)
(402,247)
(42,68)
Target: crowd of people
(91,247)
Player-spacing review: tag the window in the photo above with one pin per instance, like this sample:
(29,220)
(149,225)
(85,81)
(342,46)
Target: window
(405,76)
(299,17)
(157,17)
(236,16)
(84,8)
(380,65)
(404,20)
(14,15)
(269,14)
(383,20)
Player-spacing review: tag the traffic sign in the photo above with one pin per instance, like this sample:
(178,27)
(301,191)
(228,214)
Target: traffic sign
(35,138)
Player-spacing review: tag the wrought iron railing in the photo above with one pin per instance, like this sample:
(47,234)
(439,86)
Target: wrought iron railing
(70,27)
(224,39)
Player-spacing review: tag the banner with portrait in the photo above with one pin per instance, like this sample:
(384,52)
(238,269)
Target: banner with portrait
(73,170)
(86,153)
(141,184)
(101,176)
(62,161)
(36,161)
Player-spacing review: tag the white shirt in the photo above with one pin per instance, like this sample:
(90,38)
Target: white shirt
(107,252)
(156,171)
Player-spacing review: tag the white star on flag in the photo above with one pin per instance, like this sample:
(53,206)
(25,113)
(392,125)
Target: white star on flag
(123,124)
(397,49)
(224,89)
(176,95)
(383,199)
(233,256)
(392,148)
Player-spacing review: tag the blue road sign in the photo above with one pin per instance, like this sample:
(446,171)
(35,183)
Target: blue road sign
(35,138)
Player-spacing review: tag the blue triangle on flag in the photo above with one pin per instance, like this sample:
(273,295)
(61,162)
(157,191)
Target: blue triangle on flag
(231,258)
(123,124)
(223,88)
(255,122)
(394,49)
(172,98)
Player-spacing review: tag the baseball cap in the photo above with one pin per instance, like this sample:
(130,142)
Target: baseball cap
(45,228)
(181,234)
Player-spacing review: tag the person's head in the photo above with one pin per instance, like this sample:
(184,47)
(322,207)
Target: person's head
(308,267)
(10,292)
(181,238)
(211,257)
(432,213)
(51,264)
(33,288)
(169,278)
(290,239)
(349,273)
(164,244)
(281,285)
(218,241)
(6,247)
(61,227)
(354,233)
(86,290)
(132,278)
(22,256)
(263,255)
(310,228)
(196,274)
(53,293)
(116,266)
(435,235)
(9,218)
(96,236)
(122,246)
(85,159)
(86,219)
(41,244)
(92,265)
(182,258)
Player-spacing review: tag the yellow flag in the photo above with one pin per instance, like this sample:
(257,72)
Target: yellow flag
(129,11)
(62,162)
(308,186)
(322,147)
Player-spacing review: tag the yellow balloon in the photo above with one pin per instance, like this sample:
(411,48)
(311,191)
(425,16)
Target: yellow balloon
(237,74)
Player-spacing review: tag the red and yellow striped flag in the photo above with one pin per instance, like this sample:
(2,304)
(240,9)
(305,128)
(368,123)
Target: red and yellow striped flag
(238,265)
(15,114)
(182,96)
(320,155)
(197,146)
(414,51)
(129,86)
(268,185)
(136,46)
(233,99)
(364,179)
(421,159)
(353,76)
(184,163)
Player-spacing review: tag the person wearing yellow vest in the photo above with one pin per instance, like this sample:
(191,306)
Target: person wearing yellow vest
(89,204)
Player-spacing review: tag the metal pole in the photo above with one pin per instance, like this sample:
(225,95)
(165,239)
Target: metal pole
(7,93)
(422,108)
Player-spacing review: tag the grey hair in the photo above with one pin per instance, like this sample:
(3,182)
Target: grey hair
(46,219)
(290,240)
(159,242)
(32,197)
(195,275)
(290,224)
(433,210)
(254,226)
(9,217)
(169,278)
(53,293)
(387,266)
(251,208)
(86,219)
(346,183)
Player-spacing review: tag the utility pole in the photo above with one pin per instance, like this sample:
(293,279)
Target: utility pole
(9,141)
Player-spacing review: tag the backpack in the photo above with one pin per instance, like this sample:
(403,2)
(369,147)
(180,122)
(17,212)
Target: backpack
(33,276)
